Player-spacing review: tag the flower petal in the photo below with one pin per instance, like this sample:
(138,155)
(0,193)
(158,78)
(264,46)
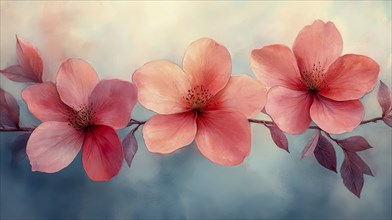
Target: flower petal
(350,77)
(53,146)
(44,102)
(223,137)
(29,59)
(318,42)
(168,133)
(112,102)
(275,65)
(243,94)
(161,87)
(289,109)
(75,81)
(102,153)
(336,117)
(207,63)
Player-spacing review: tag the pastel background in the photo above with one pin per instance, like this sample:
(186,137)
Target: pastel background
(117,38)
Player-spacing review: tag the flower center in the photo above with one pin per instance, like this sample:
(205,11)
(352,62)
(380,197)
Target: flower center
(82,118)
(199,98)
(314,78)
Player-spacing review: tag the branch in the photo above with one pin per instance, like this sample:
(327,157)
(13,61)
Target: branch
(26,129)
(330,137)
(22,129)
(136,122)
(140,123)
(264,122)
(270,123)
(374,120)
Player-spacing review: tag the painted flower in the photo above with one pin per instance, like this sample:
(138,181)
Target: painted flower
(314,82)
(200,102)
(80,110)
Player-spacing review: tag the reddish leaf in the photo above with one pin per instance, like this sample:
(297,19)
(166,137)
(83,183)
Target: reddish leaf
(352,175)
(30,66)
(129,147)
(384,98)
(325,154)
(311,145)
(9,110)
(19,147)
(388,120)
(279,138)
(357,161)
(17,74)
(352,171)
(355,143)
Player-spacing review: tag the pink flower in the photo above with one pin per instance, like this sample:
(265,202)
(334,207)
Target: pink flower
(202,102)
(79,110)
(315,82)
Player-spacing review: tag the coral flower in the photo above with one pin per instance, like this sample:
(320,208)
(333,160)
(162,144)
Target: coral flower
(79,111)
(315,82)
(202,102)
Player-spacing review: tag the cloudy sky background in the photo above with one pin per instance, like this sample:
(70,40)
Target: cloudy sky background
(117,38)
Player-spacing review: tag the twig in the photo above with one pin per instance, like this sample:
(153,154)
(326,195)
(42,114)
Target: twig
(270,123)
(16,129)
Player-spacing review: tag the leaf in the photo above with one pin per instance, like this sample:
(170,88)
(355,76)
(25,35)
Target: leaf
(30,66)
(388,120)
(325,154)
(17,74)
(384,98)
(19,147)
(311,145)
(129,147)
(352,171)
(352,175)
(279,137)
(355,143)
(9,110)
(357,161)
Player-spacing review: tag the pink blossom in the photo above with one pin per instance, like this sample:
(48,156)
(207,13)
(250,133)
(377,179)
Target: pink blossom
(200,102)
(314,82)
(80,110)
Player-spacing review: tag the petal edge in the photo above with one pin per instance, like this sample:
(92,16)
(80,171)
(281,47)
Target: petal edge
(350,77)
(336,117)
(223,137)
(53,146)
(167,133)
(207,63)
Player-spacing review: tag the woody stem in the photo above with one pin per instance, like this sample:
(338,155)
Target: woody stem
(140,123)
(28,129)
(270,123)
(23,129)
